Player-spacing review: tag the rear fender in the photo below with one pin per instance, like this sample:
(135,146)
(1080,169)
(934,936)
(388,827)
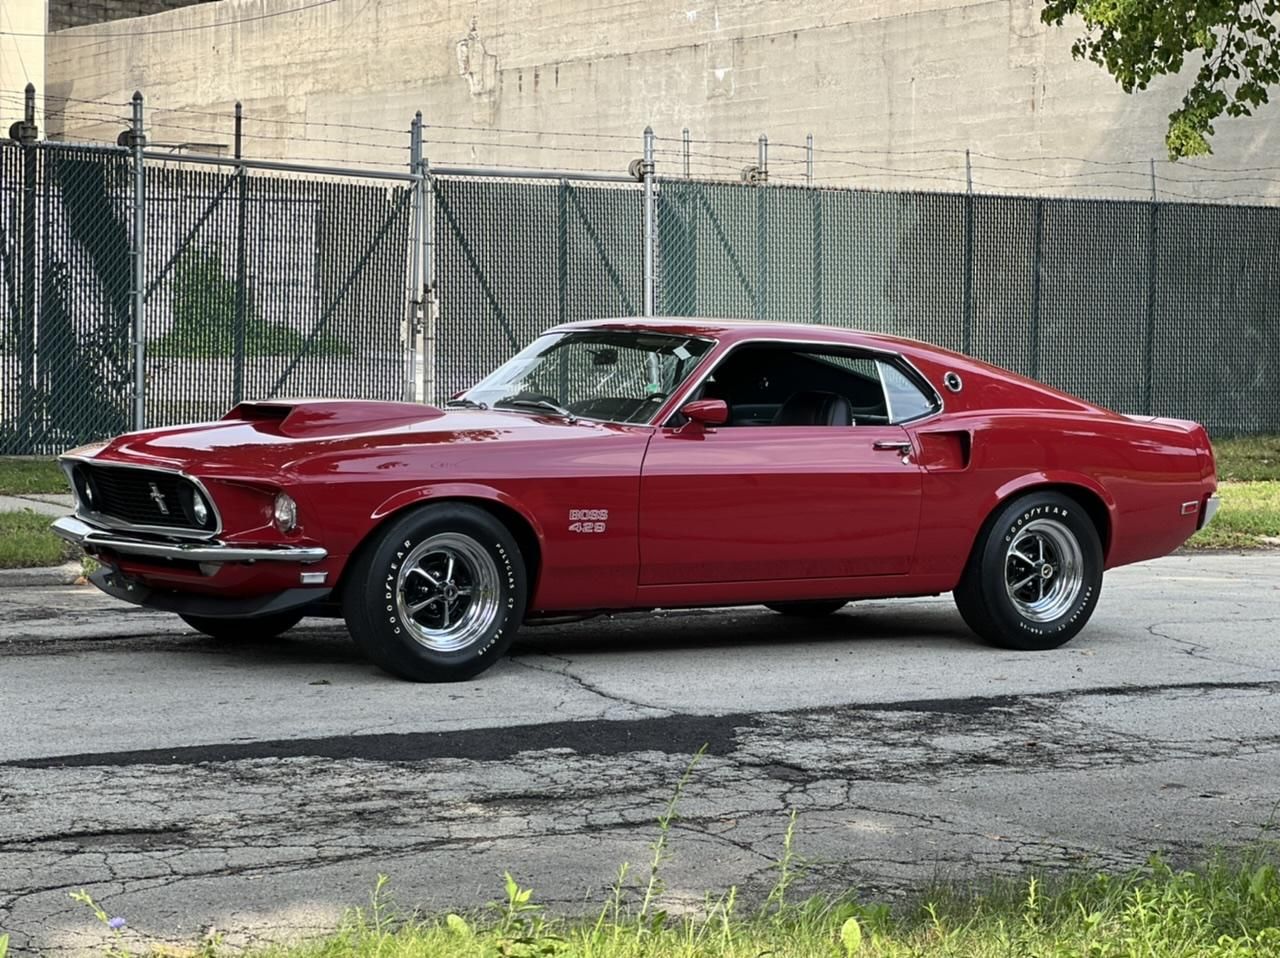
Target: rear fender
(1060,477)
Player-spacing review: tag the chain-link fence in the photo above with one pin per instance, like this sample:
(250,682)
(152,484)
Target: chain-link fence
(513,257)
(65,265)
(263,280)
(1167,309)
(256,284)
(264,285)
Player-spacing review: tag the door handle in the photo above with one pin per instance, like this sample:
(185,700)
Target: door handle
(888,445)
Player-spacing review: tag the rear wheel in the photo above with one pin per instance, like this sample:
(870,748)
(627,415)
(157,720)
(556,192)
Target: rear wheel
(439,596)
(1035,575)
(808,608)
(256,629)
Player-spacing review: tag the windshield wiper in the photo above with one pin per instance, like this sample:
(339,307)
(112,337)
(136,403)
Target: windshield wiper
(467,404)
(536,404)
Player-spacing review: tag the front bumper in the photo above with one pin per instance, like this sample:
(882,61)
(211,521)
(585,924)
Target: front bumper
(1210,510)
(93,539)
(120,586)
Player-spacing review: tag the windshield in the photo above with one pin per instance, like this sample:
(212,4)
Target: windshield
(613,375)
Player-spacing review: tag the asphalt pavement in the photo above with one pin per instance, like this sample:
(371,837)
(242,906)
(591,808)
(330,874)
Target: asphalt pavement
(257,790)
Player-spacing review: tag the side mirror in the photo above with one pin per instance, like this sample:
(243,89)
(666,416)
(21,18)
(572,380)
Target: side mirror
(706,412)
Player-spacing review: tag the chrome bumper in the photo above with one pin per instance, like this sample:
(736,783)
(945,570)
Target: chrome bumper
(1210,510)
(91,539)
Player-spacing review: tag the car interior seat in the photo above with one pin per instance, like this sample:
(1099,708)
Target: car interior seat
(813,408)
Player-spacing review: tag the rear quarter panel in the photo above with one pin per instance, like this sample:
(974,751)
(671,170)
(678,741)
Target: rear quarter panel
(1002,435)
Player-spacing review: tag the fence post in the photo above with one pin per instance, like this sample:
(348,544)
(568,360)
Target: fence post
(242,293)
(966,327)
(762,226)
(1149,331)
(416,262)
(137,142)
(649,219)
(26,133)
(430,295)
(808,159)
(1036,261)
(684,140)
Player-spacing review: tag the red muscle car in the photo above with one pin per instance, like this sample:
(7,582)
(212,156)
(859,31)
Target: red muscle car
(639,463)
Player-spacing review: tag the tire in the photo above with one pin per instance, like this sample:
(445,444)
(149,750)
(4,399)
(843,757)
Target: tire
(438,596)
(808,608)
(1017,597)
(257,629)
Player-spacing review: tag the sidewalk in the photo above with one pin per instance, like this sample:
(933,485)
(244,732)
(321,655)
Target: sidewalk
(47,505)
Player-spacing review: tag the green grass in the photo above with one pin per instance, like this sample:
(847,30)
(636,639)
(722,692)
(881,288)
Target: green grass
(26,542)
(1228,908)
(19,477)
(1248,517)
(1248,460)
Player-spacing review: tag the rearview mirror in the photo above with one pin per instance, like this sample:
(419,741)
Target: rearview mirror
(708,412)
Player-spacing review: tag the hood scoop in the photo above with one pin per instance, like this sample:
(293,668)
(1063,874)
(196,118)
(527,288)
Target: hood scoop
(307,418)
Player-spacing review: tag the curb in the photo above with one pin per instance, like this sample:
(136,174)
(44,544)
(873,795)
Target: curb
(66,574)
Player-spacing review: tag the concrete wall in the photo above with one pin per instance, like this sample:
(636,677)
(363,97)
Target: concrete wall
(21,58)
(903,87)
(76,13)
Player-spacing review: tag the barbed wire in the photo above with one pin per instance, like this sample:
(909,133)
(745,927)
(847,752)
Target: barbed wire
(704,156)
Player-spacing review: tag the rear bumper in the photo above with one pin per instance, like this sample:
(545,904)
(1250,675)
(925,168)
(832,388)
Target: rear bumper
(93,540)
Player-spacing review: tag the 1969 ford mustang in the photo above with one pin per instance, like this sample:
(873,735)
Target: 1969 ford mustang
(632,464)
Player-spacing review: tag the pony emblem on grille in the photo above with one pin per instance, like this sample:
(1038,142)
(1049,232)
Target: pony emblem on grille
(158,497)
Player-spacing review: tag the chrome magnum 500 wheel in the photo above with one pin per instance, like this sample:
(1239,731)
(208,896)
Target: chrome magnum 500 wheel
(1034,577)
(439,596)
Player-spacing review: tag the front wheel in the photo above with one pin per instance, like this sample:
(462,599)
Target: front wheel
(439,595)
(1035,574)
(257,629)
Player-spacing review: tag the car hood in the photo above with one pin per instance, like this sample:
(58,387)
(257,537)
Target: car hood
(258,437)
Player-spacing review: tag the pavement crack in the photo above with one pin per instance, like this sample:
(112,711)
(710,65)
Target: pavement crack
(583,684)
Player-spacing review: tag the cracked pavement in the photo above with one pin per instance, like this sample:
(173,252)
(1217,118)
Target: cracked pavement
(259,790)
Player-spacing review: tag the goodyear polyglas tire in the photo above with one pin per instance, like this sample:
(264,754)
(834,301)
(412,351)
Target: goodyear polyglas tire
(438,595)
(1035,574)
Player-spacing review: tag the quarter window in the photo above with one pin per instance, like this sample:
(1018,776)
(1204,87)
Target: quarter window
(906,399)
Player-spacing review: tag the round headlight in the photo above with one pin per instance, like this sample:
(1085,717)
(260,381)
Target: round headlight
(199,511)
(285,513)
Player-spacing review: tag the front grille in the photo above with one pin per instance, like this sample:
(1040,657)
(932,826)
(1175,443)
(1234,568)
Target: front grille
(141,497)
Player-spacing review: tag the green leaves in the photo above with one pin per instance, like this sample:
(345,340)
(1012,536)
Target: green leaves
(1238,45)
(851,936)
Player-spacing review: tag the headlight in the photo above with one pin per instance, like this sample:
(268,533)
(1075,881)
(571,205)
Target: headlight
(199,511)
(285,513)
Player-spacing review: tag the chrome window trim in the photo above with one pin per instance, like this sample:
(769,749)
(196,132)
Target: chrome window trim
(888,400)
(172,532)
(664,420)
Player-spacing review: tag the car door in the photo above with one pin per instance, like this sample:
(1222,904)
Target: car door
(775,502)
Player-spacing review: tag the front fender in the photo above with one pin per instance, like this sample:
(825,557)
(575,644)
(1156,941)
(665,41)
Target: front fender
(456,490)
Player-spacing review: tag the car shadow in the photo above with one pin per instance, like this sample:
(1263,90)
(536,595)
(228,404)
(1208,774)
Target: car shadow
(741,627)
(326,641)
